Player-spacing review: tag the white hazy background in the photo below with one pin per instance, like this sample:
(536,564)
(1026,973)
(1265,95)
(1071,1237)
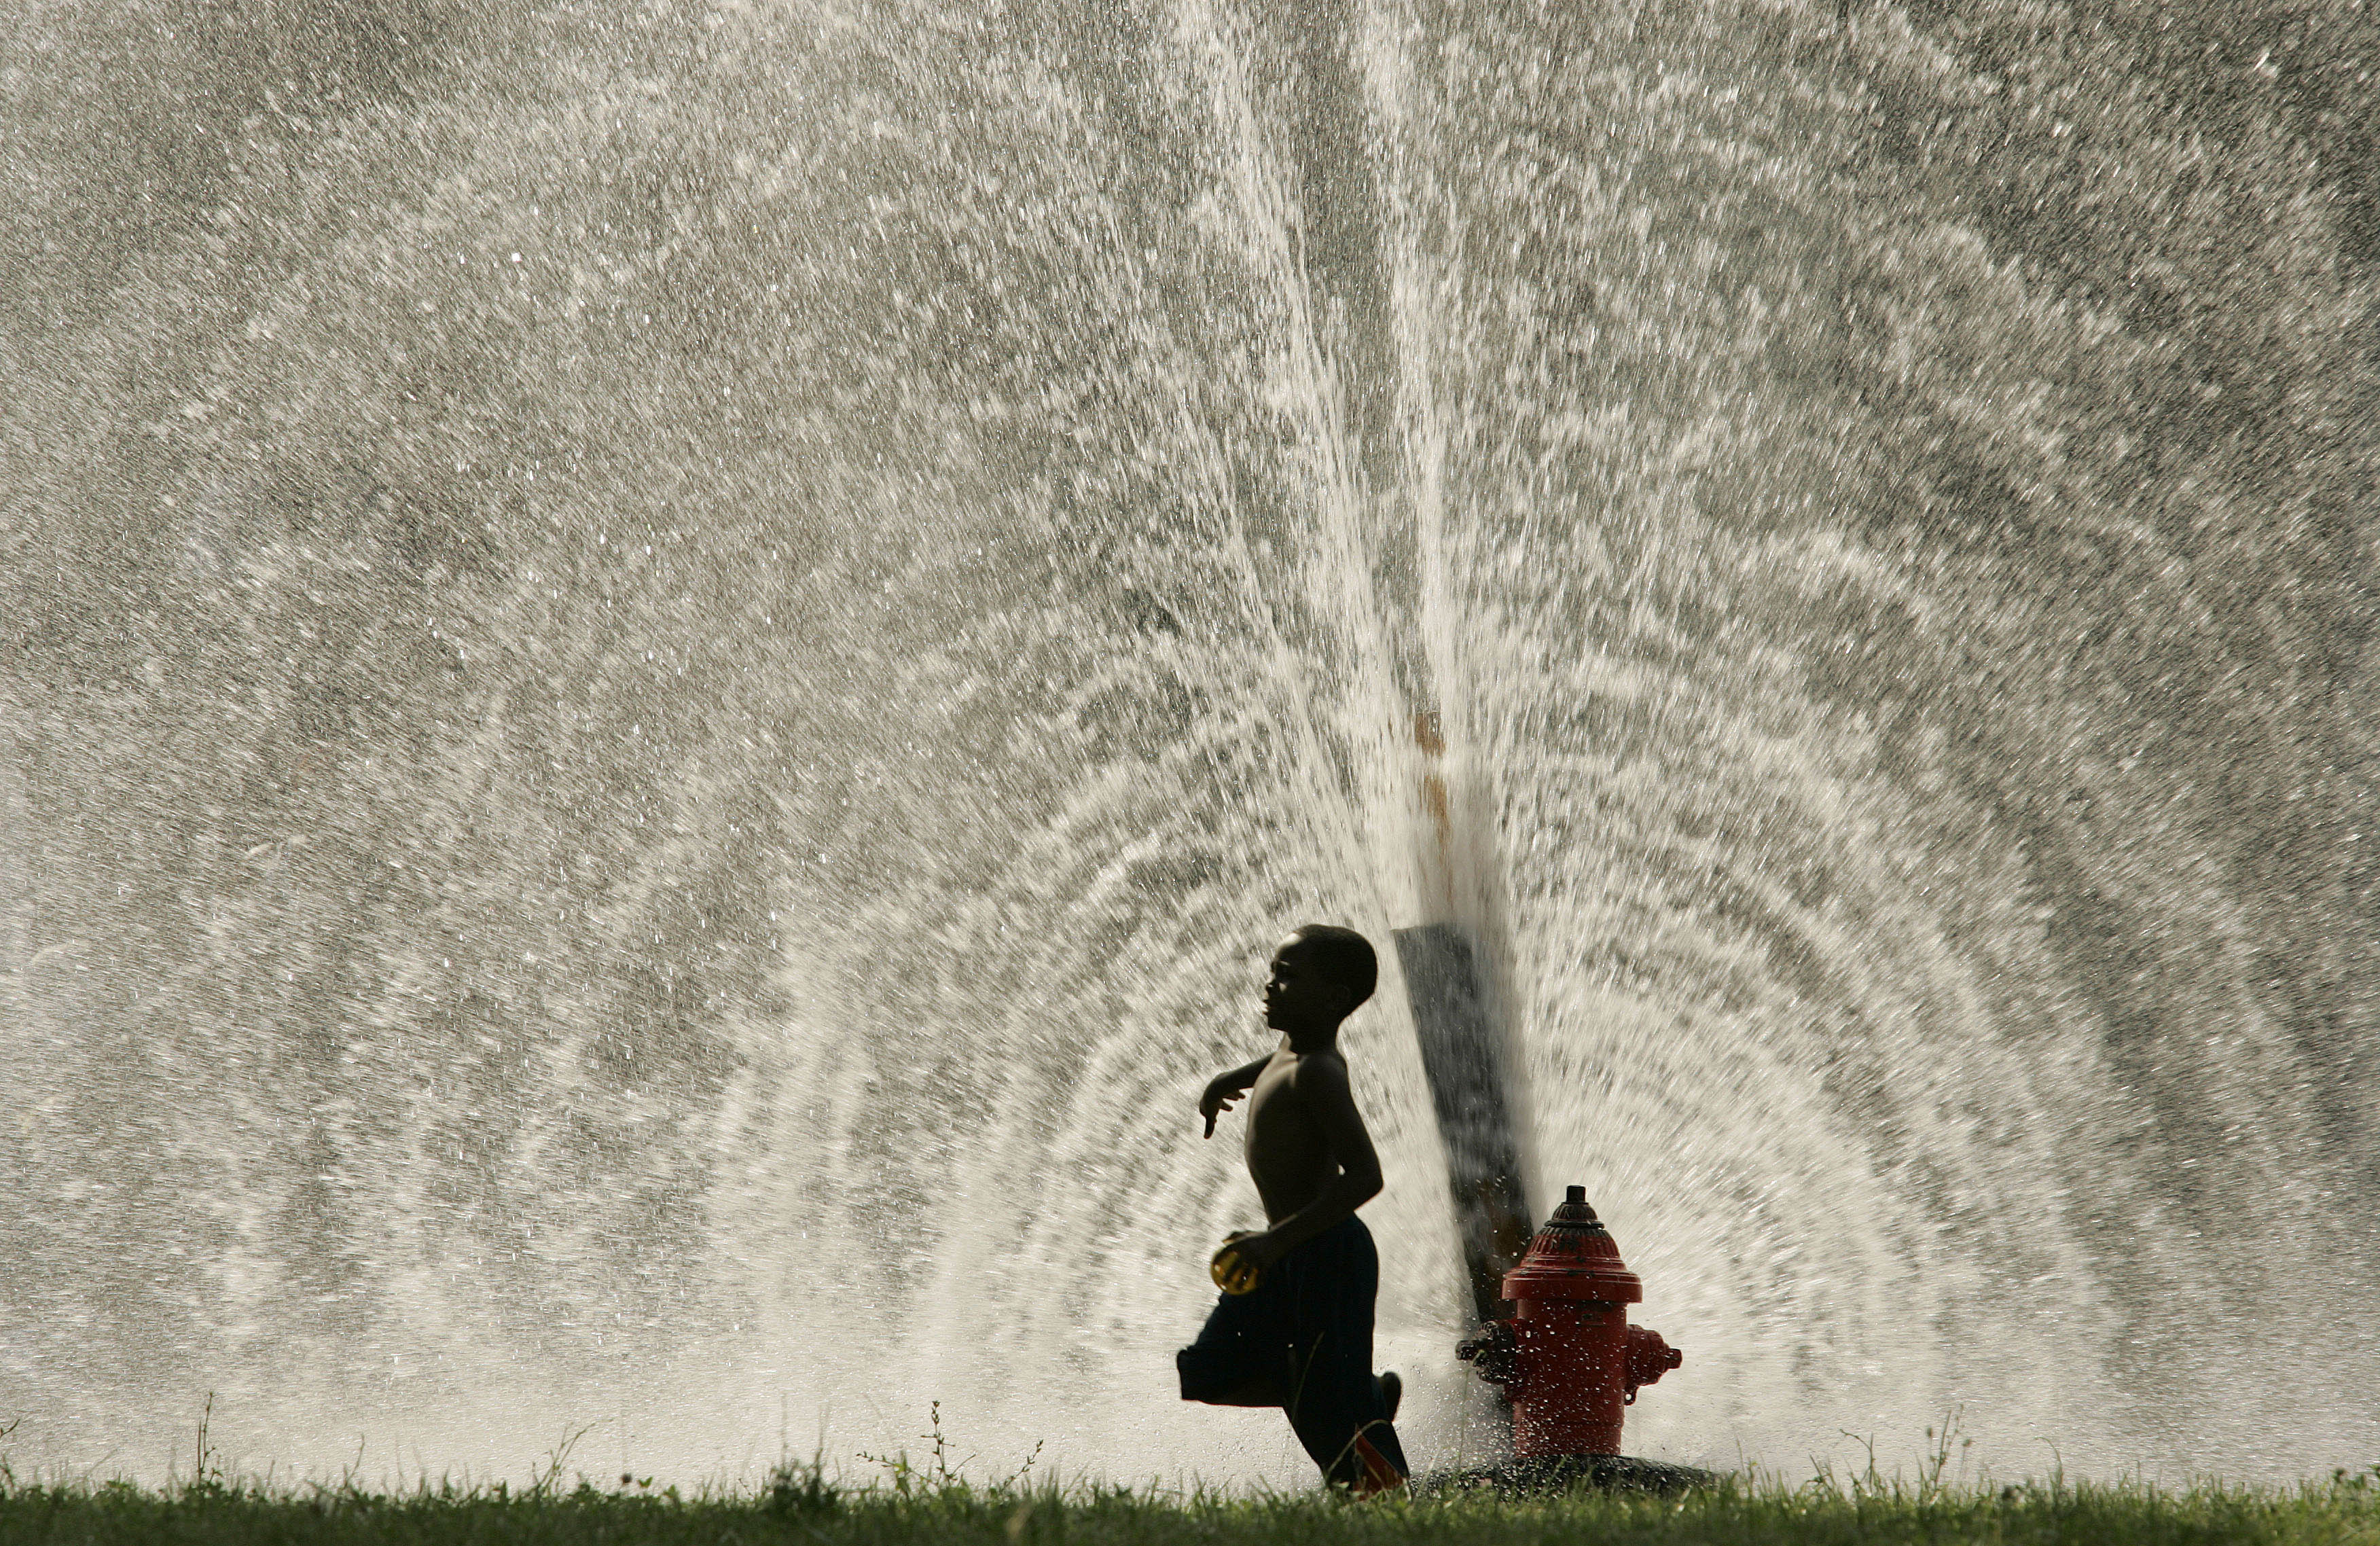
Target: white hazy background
(665,668)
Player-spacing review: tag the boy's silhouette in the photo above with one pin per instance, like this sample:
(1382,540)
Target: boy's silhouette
(1302,1339)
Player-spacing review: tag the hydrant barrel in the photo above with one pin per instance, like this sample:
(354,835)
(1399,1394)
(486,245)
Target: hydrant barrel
(1572,1403)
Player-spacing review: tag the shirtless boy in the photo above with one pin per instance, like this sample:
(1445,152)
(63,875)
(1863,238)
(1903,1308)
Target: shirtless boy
(1302,1339)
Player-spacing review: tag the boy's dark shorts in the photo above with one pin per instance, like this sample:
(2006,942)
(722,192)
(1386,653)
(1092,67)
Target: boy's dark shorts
(1301,1341)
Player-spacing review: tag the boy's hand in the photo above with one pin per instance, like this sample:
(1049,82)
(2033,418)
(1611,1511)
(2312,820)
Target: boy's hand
(1233,1272)
(1242,1259)
(1222,1091)
(1262,1247)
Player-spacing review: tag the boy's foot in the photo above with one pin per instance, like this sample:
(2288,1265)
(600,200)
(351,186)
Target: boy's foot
(1378,1476)
(1392,1392)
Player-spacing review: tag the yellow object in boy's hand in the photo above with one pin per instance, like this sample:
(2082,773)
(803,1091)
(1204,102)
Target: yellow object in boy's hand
(1233,1272)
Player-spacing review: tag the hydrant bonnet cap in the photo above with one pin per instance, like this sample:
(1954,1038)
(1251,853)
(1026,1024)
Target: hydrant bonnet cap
(1574,1257)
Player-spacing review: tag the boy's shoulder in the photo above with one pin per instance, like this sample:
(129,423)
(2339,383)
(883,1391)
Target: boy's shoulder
(1324,1067)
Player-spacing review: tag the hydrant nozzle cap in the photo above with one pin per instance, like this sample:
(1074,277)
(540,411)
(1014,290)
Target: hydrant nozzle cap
(1574,1213)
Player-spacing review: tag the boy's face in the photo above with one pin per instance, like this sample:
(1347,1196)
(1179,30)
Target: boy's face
(1298,994)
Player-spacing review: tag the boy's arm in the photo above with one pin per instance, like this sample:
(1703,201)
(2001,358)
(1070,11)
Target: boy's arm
(1330,1106)
(1228,1087)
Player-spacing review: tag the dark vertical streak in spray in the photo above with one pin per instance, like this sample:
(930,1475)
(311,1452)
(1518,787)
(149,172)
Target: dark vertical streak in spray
(1471,1090)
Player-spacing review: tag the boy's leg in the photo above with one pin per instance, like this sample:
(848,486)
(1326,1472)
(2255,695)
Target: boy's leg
(1334,1404)
(1340,1421)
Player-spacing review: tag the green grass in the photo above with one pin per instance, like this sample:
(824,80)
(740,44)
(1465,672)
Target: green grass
(801,1508)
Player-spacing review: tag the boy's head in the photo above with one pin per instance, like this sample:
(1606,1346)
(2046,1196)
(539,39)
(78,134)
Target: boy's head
(1319,975)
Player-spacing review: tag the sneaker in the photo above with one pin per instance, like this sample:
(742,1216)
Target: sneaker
(1392,1393)
(1378,1477)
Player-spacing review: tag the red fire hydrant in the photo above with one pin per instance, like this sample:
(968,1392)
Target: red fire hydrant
(1567,1360)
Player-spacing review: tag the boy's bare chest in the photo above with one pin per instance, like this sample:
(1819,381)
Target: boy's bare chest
(1272,1102)
(1279,1124)
(1286,1155)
